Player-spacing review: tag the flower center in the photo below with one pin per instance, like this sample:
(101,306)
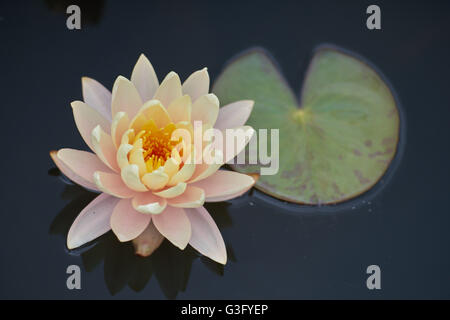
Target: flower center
(157,144)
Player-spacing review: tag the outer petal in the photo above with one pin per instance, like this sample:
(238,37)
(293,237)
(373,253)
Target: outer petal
(86,119)
(169,90)
(92,222)
(104,148)
(97,96)
(231,150)
(148,241)
(148,203)
(197,84)
(118,127)
(234,114)
(127,223)
(82,163)
(125,97)
(224,185)
(144,78)
(111,183)
(206,237)
(180,109)
(205,109)
(204,170)
(130,175)
(193,197)
(172,192)
(71,174)
(174,225)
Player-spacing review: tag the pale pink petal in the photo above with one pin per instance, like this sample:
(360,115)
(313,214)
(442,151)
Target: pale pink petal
(197,84)
(205,109)
(92,222)
(174,225)
(172,192)
(224,185)
(236,140)
(125,98)
(192,197)
(148,241)
(71,174)
(86,119)
(204,170)
(148,203)
(234,114)
(104,148)
(127,223)
(180,109)
(82,163)
(169,90)
(118,127)
(206,237)
(97,96)
(144,78)
(111,183)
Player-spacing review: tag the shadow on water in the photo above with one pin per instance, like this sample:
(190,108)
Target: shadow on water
(121,266)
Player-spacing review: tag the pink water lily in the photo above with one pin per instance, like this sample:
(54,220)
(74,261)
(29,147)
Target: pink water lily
(151,188)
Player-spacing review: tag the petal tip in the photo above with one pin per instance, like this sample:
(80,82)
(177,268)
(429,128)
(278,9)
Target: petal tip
(96,133)
(118,80)
(121,78)
(97,180)
(86,79)
(254,176)
(74,104)
(173,74)
(72,243)
(221,260)
(120,237)
(142,56)
(151,208)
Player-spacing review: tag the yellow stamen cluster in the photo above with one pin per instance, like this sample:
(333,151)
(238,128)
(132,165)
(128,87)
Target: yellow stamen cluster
(157,144)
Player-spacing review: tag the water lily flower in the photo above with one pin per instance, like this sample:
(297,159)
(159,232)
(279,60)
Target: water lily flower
(152,185)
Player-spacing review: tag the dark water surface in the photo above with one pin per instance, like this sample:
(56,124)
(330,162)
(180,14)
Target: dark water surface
(275,250)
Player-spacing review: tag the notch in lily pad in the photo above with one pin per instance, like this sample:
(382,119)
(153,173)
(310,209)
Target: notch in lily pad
(336,142)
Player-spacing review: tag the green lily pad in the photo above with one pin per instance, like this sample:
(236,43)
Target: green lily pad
(336,143)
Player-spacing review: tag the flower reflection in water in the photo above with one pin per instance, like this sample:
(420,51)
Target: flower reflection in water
(170,266)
